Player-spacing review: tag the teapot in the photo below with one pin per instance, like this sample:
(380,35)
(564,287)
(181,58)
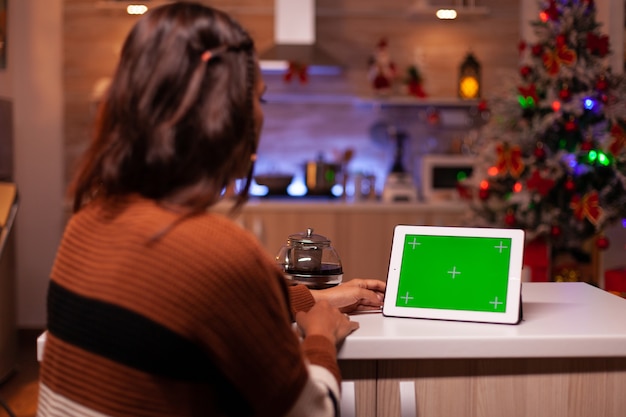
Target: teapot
(310,259)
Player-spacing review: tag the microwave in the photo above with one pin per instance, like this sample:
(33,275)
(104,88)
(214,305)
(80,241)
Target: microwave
(441,174)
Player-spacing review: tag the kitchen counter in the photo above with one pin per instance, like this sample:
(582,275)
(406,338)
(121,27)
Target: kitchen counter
(566,358)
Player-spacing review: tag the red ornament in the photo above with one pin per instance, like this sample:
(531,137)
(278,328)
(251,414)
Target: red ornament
(540,152)
(570,185)
(560,40)
(602,83)
(509,219)
(482,105)
(537,50)
(483,194)
(570,125)
(526,71)
(565,94)
(602,242)
(555,231)
(586,145)
(598,45)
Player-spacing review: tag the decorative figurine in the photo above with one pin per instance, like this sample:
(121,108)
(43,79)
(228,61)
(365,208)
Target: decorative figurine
(382,71)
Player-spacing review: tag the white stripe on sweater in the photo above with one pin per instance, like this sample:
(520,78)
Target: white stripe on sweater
(315,400)
(52,404)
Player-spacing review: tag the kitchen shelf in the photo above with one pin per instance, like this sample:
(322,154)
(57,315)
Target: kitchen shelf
(369,102)
(408,101)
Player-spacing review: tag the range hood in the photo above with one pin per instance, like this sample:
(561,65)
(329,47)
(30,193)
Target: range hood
(294,40)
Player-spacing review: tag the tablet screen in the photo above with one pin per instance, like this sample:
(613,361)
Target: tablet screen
(454,272)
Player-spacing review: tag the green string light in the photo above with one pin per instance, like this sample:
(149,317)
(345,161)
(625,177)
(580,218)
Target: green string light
(526,102)
(599,157)
(603,159)
(592,156)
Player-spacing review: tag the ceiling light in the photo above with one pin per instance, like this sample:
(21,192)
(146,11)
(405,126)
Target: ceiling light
(455,10)
(136,9)
(446,14)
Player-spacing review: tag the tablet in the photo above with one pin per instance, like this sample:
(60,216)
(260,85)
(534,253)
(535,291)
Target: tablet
(455,273)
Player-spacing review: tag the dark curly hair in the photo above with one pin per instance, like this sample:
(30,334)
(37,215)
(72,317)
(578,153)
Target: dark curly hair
(176,124)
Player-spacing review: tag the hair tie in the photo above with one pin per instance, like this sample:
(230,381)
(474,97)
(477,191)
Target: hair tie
(206,55)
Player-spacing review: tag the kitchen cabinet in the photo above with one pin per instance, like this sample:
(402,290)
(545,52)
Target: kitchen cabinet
(566,358)
(361,232)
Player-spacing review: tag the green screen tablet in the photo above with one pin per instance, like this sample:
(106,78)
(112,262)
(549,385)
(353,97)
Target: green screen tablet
(455,273)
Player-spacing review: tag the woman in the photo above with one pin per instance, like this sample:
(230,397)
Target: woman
(156,305)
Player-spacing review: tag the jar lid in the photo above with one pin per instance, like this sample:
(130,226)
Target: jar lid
(308,237)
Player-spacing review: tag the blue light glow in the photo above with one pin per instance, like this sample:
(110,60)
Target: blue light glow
(297,188)
(589,104)
(337,190)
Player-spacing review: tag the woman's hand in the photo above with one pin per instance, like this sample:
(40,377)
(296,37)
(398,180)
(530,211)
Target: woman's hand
(325,320)
(354,295)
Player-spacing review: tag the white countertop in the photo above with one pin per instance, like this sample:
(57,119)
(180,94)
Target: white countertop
(560,320)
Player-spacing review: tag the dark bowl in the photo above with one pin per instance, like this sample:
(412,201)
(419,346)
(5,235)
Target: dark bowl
(275,183)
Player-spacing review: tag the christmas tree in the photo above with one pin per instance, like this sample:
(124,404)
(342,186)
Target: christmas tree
(552,159)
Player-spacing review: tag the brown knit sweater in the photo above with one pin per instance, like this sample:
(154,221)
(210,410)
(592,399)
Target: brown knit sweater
(194,323)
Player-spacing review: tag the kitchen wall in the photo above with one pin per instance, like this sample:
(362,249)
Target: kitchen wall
(32,84)
(339,117)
